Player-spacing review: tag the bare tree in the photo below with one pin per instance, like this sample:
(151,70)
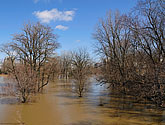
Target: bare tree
(80,70)
(25,82)
(24,78)
(5,65)
(149,29)
(30,52)
(54,67)
(113,43)
(65,65)
(34,46)
(132,50)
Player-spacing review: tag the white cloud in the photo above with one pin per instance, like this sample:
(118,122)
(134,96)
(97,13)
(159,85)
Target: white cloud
(46,1)
(36,1)
(78,41)
(54,15)
(61,27)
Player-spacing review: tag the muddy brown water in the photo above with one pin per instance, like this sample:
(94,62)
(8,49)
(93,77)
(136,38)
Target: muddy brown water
(57,105)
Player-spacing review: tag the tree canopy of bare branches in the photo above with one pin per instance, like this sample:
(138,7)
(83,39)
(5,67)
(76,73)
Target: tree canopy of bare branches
(30,51)
(81,63)
(65,65)
(133,50)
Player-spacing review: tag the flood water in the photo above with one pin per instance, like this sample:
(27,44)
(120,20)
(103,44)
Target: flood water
(57,105)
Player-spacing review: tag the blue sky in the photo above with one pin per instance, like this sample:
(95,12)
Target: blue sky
(72,20)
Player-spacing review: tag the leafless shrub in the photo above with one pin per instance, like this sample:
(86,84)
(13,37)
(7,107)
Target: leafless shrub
(80,70)
(25,80)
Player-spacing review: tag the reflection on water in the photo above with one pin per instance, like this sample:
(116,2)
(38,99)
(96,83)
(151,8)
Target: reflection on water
(59,106)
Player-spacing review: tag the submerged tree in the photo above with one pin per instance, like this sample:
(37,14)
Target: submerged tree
(81,64)
(30,52)
(133,51)
(34,47)
(65,65)
(113,44)
(25,80)
(149,29)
